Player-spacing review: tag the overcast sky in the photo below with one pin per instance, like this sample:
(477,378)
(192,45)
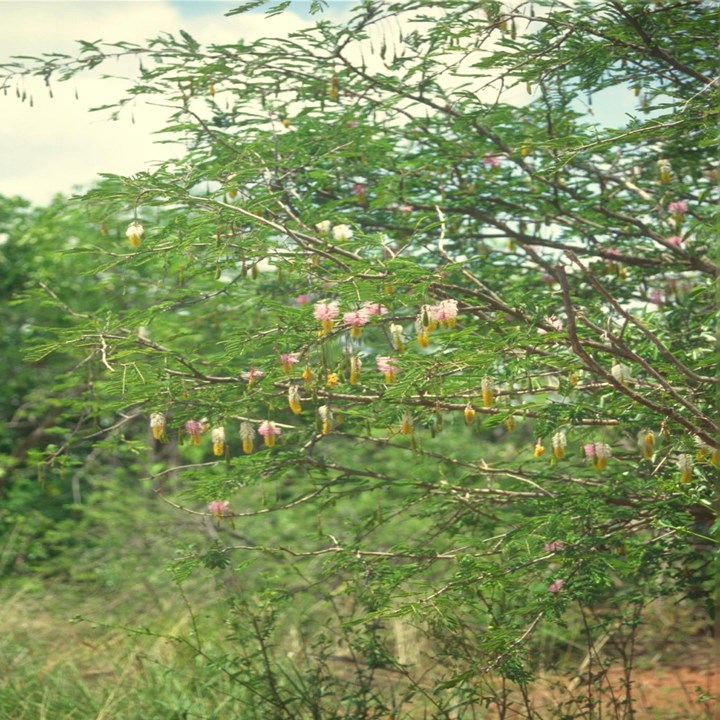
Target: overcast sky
(57,144)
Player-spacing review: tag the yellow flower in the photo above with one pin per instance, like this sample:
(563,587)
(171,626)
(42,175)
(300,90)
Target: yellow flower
(539,448)
(134,233)
(247,434)
(218,440)
(559,443)
(487,386)
(469,413)
(294,399)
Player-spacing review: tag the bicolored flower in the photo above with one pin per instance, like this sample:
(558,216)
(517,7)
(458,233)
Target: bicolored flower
(287,360)
(487,387)
(356,319)
(134,233)
(219,508)
(388,367)
(326,419)
(374,308)
(252,375)
(559,443)
(444,313)
(326,311)
(323,227)
(247,435)
(556,586)
(294,399)
(355,365)
(646,443)
(664,169)
(685,465)
(602,455)
(158,426)
(396,335)
(218,440)
(194,428)
(492,161)
(269,432)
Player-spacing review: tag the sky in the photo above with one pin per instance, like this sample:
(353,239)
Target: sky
(57,145)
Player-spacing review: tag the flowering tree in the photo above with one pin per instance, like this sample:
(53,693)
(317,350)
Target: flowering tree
(445,347)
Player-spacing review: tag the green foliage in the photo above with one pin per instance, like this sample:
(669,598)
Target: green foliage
(549,451)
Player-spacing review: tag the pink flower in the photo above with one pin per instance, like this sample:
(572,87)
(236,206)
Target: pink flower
(589,449)
(556,586)
(387,366)
(554,546)
(288,360)
(360,189)
(303,299)
(269,431)
(492,161)
(405,208)
(554,322)
(356,319)
(374,308)
(252,375)
(674,240)
(679,207)
(352,123)
(444,313)
(656,296)
(194,429)
(218,507)
(326,311)
(614,252)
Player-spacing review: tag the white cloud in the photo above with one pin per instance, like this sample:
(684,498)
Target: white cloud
(57,143)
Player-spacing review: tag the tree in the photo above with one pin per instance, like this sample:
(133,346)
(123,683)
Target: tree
(447,357)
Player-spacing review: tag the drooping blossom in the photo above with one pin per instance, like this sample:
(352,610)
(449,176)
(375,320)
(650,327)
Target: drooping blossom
(374,308)
(218,440)
(194,428)
(554,322)
(252,375)
(656,296)
(134,233)
(219,508)
(407,424)
(685,465)
(247,435)
(510,423)
(539,450)
(602,455)
(294,399)
(646,443)
(387,366)
(326,419)
(554,546)
(396,334)
(303,299)
(158,426)
(559,443)
(675,240)
(469,413)
(492,161)
(487,387)
(360,189)
(355,365)
(326,311)
(342,232)
(287,360)
(556,586)
(331,380)
(614,252)
(356,319)
(589,450)
(678,207)
(323,227)
(664,169)
(621,373)
(444,313)
(308,377)
(269,431)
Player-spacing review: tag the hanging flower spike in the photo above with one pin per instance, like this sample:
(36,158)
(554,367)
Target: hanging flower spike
(621,373)
(374,308)
(646,443)
(539,448)
(469,413)
(665,170)
(308,377)
(323,227)
(218,440)
(387,366)
(219,508)
(360,189)
(421,331)
(492,161)
(445,313)
(355,364)
(303,299)
(427,318)
(326,419)
(675,240)
(407,426)
(685,464)
(510,423)
(332,380)
(559,443)
(554,546)
(287,361)
(134,233)
(396,333)
(342,232)
(356,319)
(556,586)
(589,450)
(678,208)
(602,455)
(194,429)
(247,435)
(252,375)
(326,311)
(294,399)
(158,425)
(487,386)
(269,431)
